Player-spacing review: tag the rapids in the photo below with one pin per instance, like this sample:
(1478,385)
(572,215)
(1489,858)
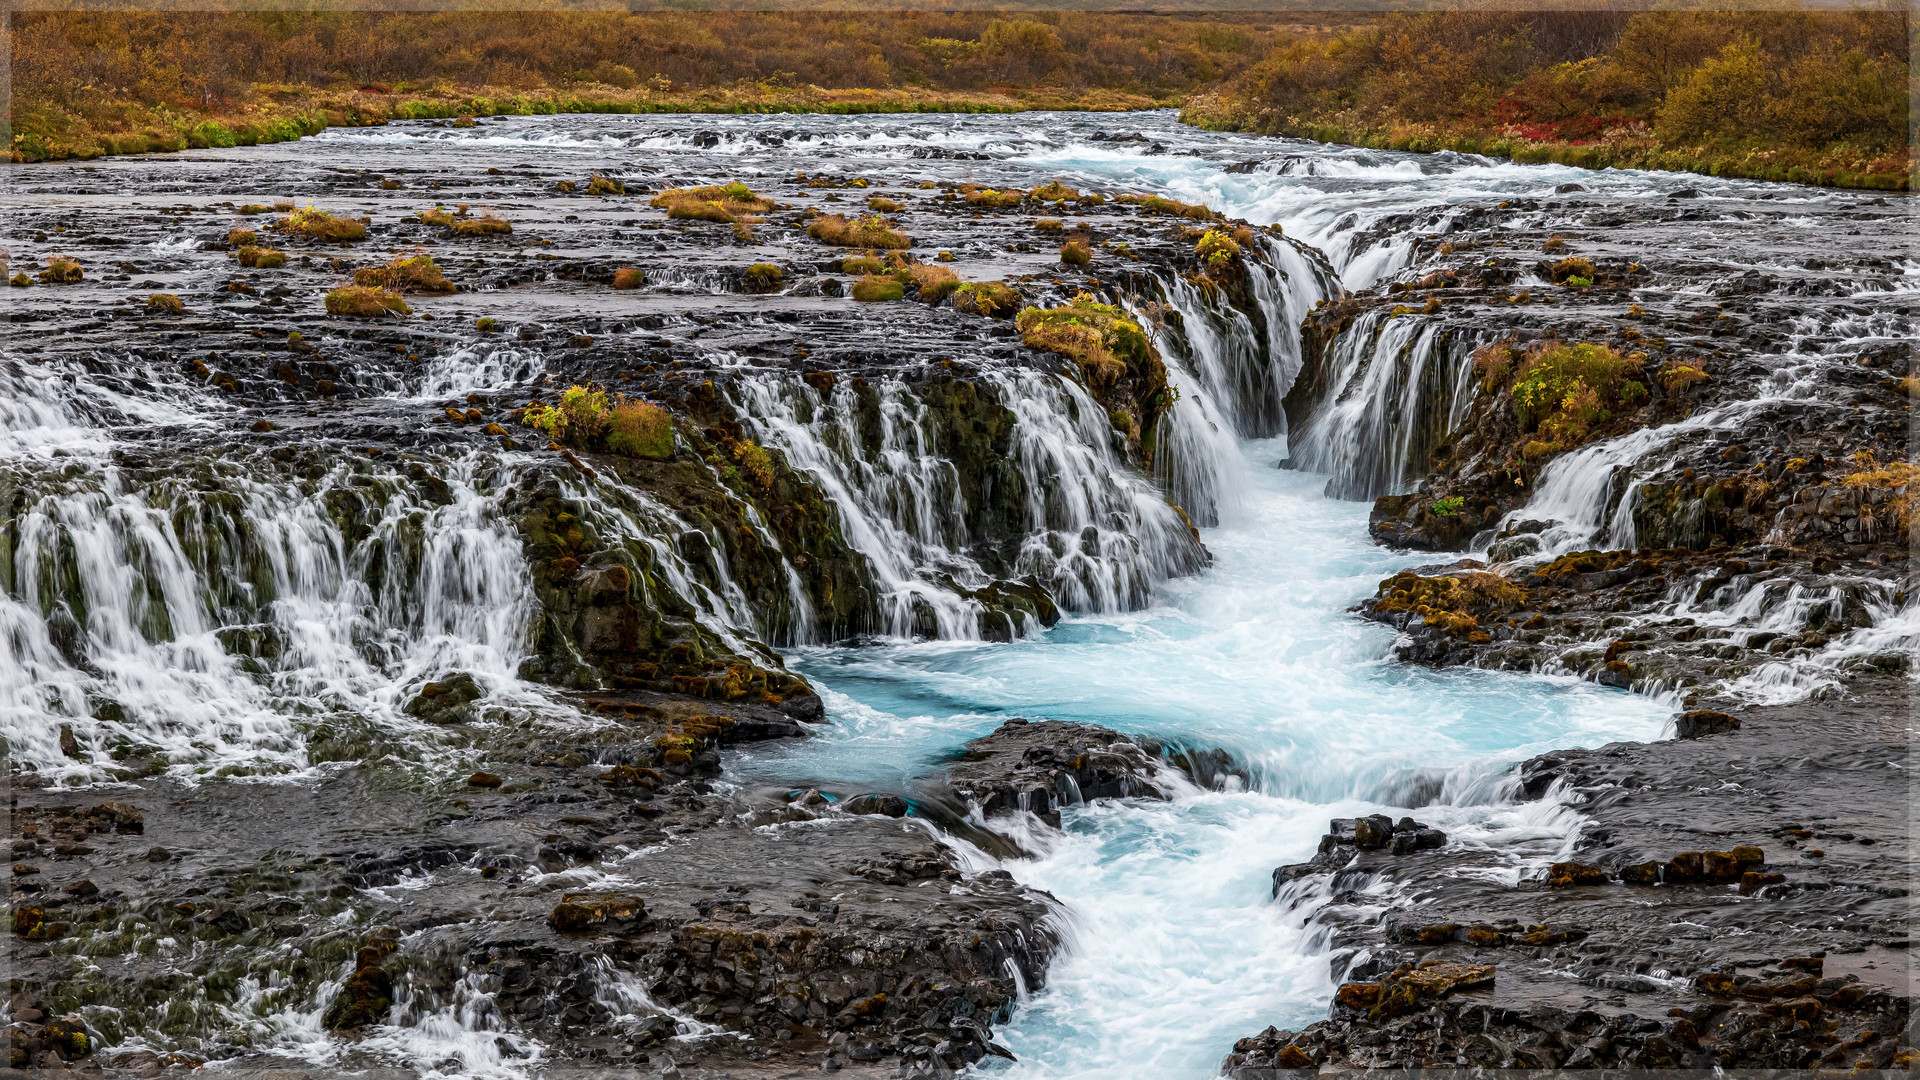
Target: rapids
(135,584)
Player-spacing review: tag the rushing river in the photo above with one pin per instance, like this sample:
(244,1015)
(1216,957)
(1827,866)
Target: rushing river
(1174,948)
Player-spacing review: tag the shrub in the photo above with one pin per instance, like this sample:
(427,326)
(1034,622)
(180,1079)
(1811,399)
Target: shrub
(463,121)
(1447,507)
(1075,253)
(580,417)
(166,303)
(1217,250)
(1561,389)
(1098,337)
(605,185)
(878,288)
(484,225)
(320,225)
(755,462)
(1677,375)
(935,283)
(1055,191)
(61,270)
(640,429)
(408,274)
(364,302)
(629,277)
(989,199)
(880,204)
(1572,267)
(994,299)
(1047,224)
(866,232)
(485,324)
(261,258)
(439,219)
(239,238)
(761,277)
(251,209)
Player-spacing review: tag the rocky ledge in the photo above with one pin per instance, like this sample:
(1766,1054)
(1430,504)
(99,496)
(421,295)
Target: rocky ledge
(1735,898)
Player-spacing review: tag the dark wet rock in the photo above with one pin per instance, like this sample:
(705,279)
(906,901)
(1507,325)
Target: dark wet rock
(1712,950)
(887,805)
(1039,766)
(1695,723)
(444,701)
(1351,843)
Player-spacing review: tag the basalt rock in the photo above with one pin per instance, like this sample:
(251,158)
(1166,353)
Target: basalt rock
(1348,839)
(1041,766)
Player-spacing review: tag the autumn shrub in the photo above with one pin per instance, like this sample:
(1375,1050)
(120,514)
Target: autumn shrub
(260,258)
(989,199)
(165,303)
(1217,250)
(862,264)
(605,185)
(1159,204)
(437,218)
(1075,253)
(1561,390)
(880,204)
(1054,191)
(579,418)
(1574,267)
(1050,225)
(629,277)
(729,204)
(239,238)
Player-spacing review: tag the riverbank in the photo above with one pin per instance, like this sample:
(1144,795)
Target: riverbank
(1630,147)
(283,113)
(1736,897)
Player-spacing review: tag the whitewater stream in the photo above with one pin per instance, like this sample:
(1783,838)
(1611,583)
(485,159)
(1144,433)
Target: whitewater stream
(1173,947)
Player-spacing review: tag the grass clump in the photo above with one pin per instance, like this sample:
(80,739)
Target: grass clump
(1050,225)
(1559,391)
(320,225)
(1564,271)
(1218,250)
(61,270)
(165,304)
(629,277)
(640,429)
(605,185)
(239,237)
(1158,204)
(1054,191)
(729,204)
(761,277)
(1676,376)
(862,264)
(580,416)
(252,210)
(878,288)
(866,232)
(880,204)
(484,225)
(437,218)
(486,324)
(933,283)
(1099,338)
(1076,253)
(994,299)
(463,121)
(365,302)
(260,258)
(989,199)
(20,280)
(409,274)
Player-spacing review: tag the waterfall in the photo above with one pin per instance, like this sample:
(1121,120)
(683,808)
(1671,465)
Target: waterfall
(1392,387)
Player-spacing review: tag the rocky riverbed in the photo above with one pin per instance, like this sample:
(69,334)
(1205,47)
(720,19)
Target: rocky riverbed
(377,684)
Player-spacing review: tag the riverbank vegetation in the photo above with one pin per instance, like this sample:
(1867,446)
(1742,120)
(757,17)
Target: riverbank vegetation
(90,83)
(1818,97)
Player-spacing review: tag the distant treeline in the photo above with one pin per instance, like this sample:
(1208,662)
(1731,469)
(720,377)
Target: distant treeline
(1752,93)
